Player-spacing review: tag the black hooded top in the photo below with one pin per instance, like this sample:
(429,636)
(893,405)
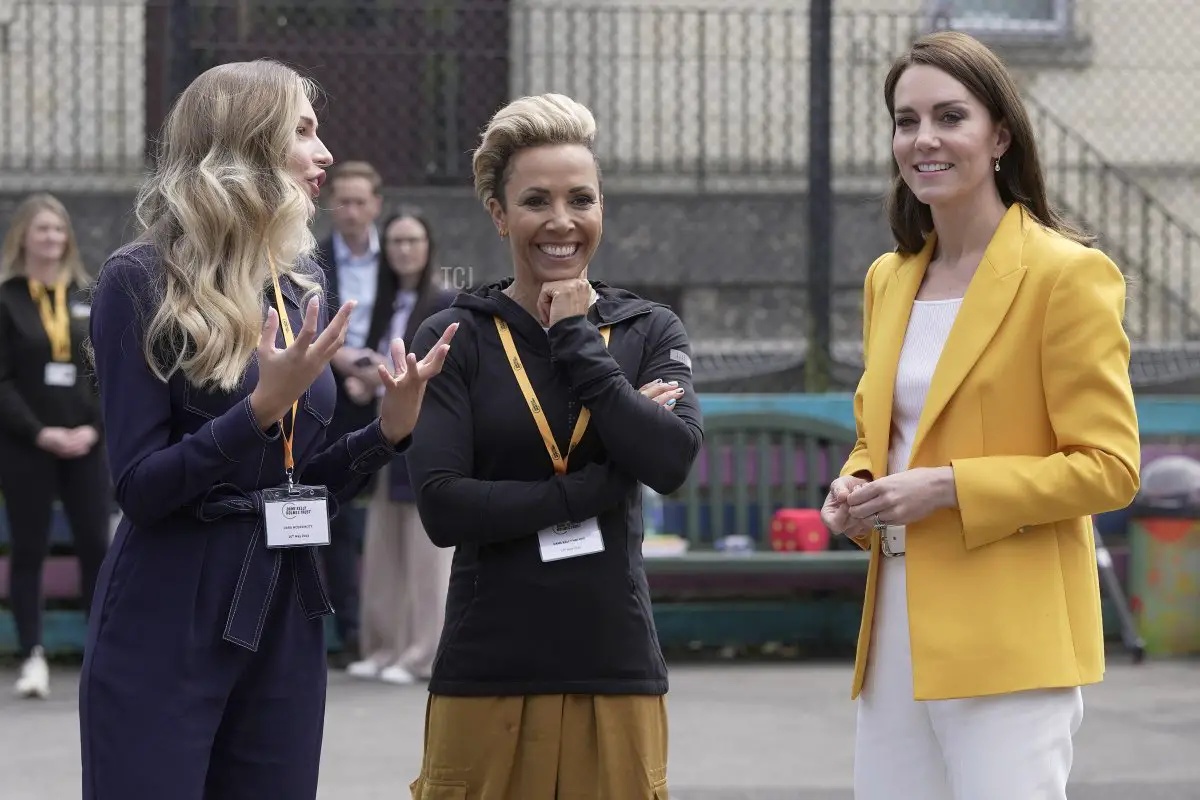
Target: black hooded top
(485,485)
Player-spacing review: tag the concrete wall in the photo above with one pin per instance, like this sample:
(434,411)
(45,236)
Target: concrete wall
(740,262)
(733,266)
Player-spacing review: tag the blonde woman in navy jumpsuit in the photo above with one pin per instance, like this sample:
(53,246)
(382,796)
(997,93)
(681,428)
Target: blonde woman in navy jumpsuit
(204,676)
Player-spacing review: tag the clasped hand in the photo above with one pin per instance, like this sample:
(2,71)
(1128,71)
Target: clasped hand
(68,442)
(284,375)
(854,505)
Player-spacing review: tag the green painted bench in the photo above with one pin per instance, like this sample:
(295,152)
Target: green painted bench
(752,465)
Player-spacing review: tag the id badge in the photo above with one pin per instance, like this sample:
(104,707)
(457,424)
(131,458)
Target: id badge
(296,516)
(59,373)
(571,540)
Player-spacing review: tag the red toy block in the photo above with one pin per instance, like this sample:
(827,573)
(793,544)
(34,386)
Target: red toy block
(800,529)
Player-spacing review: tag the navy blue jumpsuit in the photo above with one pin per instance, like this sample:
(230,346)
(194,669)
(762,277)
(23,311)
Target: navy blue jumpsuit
(205,675)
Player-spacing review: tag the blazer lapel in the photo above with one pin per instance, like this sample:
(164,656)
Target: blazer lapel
(888,326)
(984,306)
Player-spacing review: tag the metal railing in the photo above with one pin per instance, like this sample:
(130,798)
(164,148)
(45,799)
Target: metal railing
(1156,249)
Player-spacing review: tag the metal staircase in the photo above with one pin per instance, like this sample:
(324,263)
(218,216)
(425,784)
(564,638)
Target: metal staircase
(1155,249)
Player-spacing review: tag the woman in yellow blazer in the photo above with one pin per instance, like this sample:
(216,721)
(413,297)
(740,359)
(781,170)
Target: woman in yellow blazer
(994,416)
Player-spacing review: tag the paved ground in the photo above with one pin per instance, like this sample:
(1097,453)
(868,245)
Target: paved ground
(739,732)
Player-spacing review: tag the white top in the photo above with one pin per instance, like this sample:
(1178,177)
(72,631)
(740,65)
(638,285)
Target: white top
(928,329)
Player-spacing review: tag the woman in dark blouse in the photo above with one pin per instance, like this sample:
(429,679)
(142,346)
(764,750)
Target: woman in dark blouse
(205,672)
(49,418)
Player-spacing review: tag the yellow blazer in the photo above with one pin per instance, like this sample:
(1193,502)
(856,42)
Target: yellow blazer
(1031,406)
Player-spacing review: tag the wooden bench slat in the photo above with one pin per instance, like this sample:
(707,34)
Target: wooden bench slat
(60,578)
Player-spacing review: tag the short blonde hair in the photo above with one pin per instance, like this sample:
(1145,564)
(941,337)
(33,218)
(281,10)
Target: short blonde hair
(528,122)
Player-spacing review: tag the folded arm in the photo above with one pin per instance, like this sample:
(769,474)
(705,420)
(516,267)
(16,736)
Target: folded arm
(1085,372)
(153,477)
(655,444)
(456,508)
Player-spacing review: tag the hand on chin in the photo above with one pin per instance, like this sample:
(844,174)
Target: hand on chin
(565,297)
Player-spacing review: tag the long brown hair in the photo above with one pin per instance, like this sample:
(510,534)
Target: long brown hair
(1020,178)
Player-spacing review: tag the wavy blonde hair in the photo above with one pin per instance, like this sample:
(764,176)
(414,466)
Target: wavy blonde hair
(220,204)
(528,122)
(12,252)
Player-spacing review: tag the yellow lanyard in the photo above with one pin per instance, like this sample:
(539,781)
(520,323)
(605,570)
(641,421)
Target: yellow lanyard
(289,437)
(56,320)
(539,416)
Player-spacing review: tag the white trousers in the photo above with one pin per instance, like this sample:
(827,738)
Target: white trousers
(1005,747)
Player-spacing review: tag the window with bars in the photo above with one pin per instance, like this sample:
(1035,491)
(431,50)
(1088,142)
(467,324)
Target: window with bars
(1005,18)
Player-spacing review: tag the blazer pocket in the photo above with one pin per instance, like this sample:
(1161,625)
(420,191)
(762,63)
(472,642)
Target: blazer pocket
(426,789)
(208,405)
(318,408)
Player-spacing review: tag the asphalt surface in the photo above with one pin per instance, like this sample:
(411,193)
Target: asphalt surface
(738,732)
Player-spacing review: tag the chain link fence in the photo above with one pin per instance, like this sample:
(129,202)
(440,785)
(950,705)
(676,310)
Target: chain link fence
(689,94)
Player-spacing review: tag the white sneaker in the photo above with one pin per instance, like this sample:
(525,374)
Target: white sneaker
(396,674)
(34,680)
(365,669)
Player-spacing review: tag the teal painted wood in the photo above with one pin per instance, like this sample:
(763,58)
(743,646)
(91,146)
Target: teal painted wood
(745,447)
(1158,415)
(830,622)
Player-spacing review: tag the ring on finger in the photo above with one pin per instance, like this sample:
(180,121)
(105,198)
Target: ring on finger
(879,524)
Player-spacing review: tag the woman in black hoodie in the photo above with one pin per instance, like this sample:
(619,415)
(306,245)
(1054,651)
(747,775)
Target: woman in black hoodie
(527,459)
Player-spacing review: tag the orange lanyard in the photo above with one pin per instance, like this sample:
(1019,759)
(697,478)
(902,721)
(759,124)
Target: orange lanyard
(539,416)
(56,320)
(289,437)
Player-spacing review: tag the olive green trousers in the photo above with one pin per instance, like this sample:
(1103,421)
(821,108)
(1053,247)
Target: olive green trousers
(544,747)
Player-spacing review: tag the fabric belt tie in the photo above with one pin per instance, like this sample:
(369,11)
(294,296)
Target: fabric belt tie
(261,568)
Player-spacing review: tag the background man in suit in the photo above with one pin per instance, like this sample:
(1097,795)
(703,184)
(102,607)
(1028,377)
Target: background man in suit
(350,259)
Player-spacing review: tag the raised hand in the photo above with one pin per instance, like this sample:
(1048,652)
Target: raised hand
(284,375)
(404,391)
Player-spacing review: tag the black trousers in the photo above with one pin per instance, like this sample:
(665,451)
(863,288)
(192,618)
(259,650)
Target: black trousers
(31,480)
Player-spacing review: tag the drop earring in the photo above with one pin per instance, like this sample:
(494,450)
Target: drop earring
(997,165)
